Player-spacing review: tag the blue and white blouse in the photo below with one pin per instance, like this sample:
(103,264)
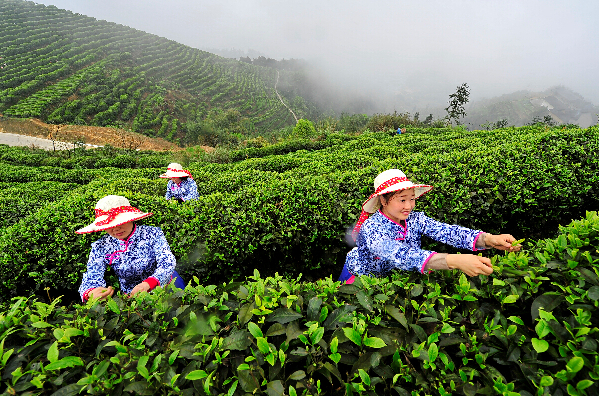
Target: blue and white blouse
(383,245)
(186,190)
(145,255)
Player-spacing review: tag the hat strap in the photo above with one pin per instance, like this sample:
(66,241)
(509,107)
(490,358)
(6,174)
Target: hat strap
(112,213)
(364,215)
(179,170)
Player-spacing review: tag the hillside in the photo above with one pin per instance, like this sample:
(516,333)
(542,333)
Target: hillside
(563,105)
(67,68)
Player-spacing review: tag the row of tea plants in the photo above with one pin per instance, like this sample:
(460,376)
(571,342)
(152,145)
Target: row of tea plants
(289,213)
(528,329)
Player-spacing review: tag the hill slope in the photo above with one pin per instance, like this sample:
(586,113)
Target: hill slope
(66,68)
(563,105)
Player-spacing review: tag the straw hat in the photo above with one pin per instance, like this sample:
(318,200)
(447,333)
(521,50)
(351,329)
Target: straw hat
(389,181)
(175,170)
(112,211)
(386,182)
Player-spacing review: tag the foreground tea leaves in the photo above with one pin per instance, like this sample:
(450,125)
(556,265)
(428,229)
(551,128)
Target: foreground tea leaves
(531,328)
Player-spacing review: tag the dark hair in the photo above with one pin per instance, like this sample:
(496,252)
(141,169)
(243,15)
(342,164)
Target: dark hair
(388,195)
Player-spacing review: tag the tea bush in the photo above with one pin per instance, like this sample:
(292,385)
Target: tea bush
(528,329)
(289,213)
(22,199)
(104,157)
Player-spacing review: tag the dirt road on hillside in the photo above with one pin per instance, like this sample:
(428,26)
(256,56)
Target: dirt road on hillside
(13,139)
(91,135)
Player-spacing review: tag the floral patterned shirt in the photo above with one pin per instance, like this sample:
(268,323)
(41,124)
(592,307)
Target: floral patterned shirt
(383,245)
(144,255)
(186,190)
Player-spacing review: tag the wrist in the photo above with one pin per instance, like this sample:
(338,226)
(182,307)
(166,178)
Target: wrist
(490,240)
(452,261)
(151,282)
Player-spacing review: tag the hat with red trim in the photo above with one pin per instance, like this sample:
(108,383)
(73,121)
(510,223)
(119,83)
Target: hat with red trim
(112,211)
(175,170)
(386,182)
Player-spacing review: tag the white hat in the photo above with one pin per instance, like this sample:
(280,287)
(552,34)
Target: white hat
(389,181)
(112,211)
(175,170)
(386,182)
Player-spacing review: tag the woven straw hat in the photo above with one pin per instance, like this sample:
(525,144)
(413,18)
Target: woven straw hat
(112,211)
(175,170)
(389,181)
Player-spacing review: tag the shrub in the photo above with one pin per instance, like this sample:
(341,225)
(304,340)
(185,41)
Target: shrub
(304,129)
(527,329)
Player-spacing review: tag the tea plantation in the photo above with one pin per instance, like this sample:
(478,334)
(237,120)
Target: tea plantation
(268,236)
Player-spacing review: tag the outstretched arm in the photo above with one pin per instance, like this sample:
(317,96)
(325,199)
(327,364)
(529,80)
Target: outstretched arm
(469,264)
(501,242)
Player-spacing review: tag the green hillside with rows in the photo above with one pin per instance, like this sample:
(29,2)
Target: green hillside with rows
(66,68)
(261,249)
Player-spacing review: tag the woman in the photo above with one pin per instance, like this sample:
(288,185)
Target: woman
(390,238)
(181,186)
(139,255)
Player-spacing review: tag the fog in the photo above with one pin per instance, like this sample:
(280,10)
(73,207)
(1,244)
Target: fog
(416,50)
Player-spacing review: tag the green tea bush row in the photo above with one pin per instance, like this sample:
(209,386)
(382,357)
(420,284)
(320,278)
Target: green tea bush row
(290,213)
(23,199)
(25,174)
(81,158)
(528,329)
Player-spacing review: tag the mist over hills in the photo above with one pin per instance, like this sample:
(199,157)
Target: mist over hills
(562,104)
(67,68)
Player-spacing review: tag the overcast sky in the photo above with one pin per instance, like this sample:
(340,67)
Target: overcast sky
(422,46)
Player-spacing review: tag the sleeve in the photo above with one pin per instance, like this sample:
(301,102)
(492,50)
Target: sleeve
(165,261)
(191,190)
(395,252)
(168,194)
(94,276)
(454,235)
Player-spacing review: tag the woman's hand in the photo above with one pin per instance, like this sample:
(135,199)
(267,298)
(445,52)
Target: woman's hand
(101,293)
(142,287)
(502,242)
(470,264)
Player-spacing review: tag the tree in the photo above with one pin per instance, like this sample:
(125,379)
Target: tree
(457,100)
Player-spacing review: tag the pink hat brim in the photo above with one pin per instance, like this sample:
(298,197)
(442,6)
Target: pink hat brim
(120,219)
(373,203)
(168,174)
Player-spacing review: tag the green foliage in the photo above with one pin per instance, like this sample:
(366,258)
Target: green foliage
(435,334)
(288,213)
(67,68)
(457,101)
(304,129)
(389,122)
(21,200)
(80,158)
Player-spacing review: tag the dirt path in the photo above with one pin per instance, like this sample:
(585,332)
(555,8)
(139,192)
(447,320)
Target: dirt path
(12,139)
(281,99)
(91,135)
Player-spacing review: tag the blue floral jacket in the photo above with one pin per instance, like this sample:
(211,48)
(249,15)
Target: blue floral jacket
(383,245)
(186,190)
(145,254)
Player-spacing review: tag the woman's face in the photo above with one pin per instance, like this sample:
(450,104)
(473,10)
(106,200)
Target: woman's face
(176,180)
(121,232)
(399,206)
